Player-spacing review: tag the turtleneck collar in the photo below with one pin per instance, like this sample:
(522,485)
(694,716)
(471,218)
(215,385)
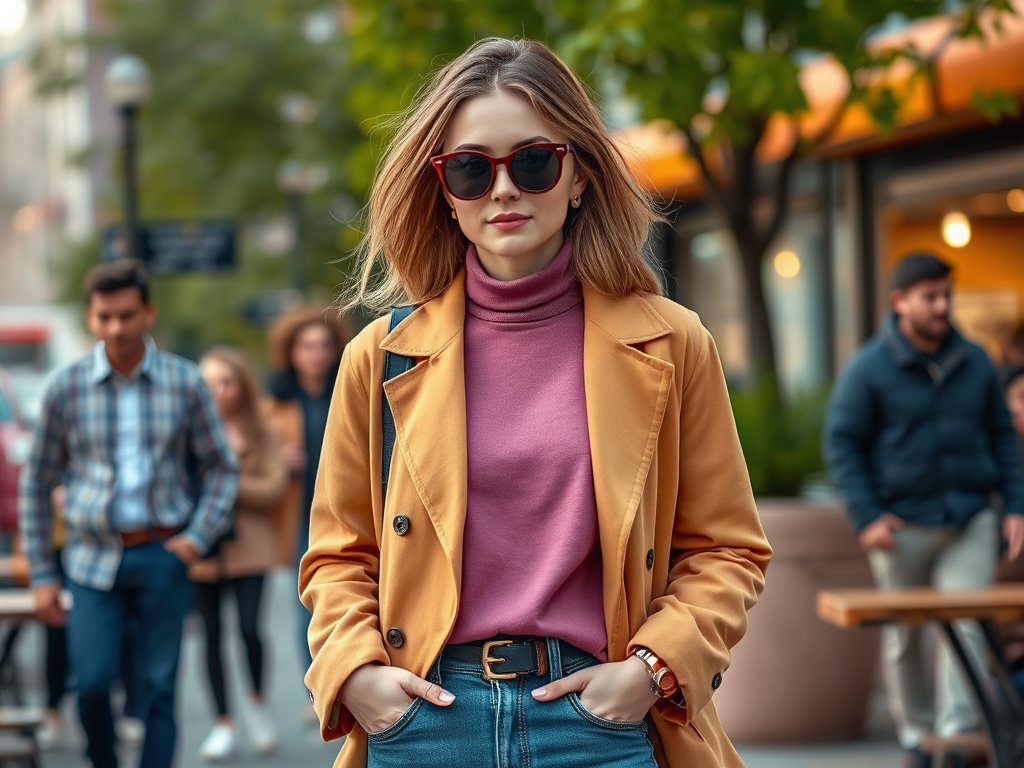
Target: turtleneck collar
(550,292)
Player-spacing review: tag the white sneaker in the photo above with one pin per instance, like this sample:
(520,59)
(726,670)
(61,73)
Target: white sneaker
(50,734)
(130,730)
(261,728)
(219,745)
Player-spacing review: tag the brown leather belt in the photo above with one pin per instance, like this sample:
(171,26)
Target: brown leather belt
(148,536)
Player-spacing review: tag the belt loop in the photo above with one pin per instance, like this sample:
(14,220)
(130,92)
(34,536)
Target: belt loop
(555,658)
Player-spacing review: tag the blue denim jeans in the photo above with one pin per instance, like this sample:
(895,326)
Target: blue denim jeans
(498,724)
(151,588)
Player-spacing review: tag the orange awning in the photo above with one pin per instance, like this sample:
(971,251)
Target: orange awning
(657,150)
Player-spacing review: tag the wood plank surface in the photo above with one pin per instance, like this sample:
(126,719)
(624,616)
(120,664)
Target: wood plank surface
(856,607)
(17,603)
(17,718)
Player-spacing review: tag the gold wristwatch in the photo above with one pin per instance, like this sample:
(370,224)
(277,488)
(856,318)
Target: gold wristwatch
(663,681)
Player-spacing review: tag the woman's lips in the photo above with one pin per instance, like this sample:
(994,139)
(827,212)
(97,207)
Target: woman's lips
(507,223)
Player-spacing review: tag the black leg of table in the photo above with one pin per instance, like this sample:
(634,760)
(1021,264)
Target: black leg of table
(7,662)
(1001,671)
(1002,748)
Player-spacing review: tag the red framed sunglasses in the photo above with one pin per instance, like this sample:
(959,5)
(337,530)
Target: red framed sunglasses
(469,174)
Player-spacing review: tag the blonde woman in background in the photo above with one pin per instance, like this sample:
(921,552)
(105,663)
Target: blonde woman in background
(241,561)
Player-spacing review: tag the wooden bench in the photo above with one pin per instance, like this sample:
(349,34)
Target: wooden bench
(1002,718)
(21,718)
(18,750)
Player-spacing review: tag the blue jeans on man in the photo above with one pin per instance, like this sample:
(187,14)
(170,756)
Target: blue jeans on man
(151,588)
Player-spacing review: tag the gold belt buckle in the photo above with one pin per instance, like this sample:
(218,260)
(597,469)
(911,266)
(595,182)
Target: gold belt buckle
(488,660)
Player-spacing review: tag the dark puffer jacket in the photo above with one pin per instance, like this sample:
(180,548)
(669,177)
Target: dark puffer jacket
(927,438)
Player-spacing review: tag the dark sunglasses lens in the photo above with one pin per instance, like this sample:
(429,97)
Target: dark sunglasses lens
(467,175)
(535,169)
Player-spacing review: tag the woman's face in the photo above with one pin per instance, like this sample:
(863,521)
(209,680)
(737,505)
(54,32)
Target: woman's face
(314,351)
(498,124)
(223,384)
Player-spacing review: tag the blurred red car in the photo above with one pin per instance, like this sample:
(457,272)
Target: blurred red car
(15,443)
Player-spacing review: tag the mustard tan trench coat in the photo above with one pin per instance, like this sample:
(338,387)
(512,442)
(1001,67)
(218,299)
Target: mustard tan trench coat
(669,477)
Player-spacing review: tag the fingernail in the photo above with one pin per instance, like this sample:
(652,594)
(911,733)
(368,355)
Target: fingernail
(538,692)
(445,696)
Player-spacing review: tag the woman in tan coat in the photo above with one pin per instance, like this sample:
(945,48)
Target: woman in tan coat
(569,544)
(242,560)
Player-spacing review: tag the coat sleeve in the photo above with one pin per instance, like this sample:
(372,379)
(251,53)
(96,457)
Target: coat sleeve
(848,437)
(338,574)
(43,471)
(208,440)
(719,551)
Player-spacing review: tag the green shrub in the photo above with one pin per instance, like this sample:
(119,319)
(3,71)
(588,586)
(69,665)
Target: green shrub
(781,438)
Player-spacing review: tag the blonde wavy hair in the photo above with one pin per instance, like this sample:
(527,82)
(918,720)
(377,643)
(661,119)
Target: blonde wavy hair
(413,249)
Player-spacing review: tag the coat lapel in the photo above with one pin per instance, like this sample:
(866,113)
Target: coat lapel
(429,406)
(627,393)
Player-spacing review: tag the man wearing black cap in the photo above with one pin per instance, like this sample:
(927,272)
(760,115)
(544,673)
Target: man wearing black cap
(918,439)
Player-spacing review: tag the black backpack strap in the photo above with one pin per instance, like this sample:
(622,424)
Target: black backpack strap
(394,365)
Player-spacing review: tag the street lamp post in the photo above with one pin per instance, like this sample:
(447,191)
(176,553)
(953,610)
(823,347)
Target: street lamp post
(296,179)
(126,82)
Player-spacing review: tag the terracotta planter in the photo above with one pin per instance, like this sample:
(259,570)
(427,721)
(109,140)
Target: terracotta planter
(795,679)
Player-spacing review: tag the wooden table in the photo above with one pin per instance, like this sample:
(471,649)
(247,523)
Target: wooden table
(1002,720)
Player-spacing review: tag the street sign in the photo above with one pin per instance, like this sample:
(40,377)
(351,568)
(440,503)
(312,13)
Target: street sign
(172,247)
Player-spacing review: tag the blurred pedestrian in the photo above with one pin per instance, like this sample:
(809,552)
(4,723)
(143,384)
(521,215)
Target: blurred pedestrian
(1013,349)
(240,564)
(918,438)
(305,348)
(570,543)
(1012,634)
(120,429)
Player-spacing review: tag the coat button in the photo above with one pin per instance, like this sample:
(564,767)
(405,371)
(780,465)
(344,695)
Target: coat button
(650,559)
(401,525)
(395,637)
(716,681)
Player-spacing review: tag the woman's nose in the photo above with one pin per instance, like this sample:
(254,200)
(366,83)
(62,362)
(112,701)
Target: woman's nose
(504,188)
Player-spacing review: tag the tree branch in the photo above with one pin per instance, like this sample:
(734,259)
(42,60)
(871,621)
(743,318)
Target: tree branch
(781,195)
(698,154)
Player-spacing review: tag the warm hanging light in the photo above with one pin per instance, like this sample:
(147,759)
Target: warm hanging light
(1015,200)
(787,264)
(956,229)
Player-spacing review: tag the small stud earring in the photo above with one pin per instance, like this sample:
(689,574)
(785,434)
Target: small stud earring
(577,202)
(454,215)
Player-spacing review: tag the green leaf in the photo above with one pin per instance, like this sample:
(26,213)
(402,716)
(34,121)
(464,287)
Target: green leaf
(995,104)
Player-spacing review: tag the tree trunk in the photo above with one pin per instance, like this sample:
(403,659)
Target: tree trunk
(762,339)
(737,197)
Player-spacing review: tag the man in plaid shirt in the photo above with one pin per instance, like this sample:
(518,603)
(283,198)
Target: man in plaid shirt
(128,431)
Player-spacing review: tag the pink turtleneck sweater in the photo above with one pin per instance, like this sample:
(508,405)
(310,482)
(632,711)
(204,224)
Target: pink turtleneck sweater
(531,562)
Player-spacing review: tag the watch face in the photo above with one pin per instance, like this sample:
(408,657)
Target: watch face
(665,682)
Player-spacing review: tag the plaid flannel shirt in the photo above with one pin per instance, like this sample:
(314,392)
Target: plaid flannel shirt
(74,445)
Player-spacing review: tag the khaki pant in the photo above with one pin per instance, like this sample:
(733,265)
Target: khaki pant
(947,558)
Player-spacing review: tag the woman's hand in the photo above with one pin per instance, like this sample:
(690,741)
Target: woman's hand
(294,458)
(619,690)
(377,695)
